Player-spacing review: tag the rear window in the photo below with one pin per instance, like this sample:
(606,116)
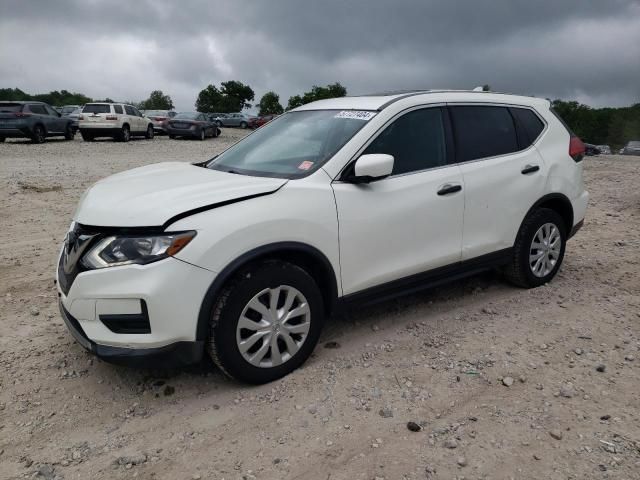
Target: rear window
(483,131)
(97,108)
(10,107)
(529,124)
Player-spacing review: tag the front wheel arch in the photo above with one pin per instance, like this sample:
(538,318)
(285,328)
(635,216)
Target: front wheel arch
(309,258)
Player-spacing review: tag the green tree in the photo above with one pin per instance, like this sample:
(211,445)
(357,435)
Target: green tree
(333,90)
(270,104)
(157,101)
(232,96)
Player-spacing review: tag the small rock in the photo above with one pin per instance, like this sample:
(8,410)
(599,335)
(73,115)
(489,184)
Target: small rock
(557,434)
(578,351)
(567,390)
(34,311)
(601,368)
(413,426)
(375,328)
(332,344)
(312,409)
(386,412)
(462,462)
(536,457)
(450,443)
(169,390)
(507,381)
(629,358)
(605,417)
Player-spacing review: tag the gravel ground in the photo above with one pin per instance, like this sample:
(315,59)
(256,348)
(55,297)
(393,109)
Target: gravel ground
(499,382)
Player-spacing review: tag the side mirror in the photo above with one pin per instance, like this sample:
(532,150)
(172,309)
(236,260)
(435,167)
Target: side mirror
(371,167)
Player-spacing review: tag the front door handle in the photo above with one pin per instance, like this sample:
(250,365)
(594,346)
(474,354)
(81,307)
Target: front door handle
(530,169)
(448,188)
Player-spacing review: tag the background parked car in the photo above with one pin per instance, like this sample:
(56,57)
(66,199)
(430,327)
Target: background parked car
(217,118)
(193,125)
(75,118)
(257,122)
(159,118)
(604,149)
(236,120)
(591,150)
(117,120)
(632,148)
(34,120)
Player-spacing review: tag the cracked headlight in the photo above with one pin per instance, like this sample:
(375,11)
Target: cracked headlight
(128,250)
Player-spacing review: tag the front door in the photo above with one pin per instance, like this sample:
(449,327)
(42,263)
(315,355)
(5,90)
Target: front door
(411,221)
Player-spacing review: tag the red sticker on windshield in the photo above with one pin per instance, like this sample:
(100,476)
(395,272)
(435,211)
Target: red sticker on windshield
(306,165)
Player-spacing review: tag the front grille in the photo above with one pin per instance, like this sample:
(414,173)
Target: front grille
(76,244)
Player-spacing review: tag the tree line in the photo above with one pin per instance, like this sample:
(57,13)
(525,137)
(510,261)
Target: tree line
(611,126)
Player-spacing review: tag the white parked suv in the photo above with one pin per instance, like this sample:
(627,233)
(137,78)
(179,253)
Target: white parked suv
(117,120)
(346,200)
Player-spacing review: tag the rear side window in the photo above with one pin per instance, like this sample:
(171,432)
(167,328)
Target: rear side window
(97,108)
(38,109)
(483,131)
(416,141)
(529,125)
(130,111)
(117,108)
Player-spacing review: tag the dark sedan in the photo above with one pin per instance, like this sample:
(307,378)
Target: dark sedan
(193,125)
(34,120)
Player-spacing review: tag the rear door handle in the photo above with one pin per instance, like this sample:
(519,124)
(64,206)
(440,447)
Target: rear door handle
(530,169)
(448,188)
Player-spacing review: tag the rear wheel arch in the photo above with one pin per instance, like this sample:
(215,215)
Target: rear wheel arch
(309,258)
(557,202)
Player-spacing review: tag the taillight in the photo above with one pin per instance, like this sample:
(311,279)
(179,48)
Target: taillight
(111,117)
(160,119)
(576,148)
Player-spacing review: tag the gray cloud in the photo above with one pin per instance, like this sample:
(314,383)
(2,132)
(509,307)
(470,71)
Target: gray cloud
(587,51)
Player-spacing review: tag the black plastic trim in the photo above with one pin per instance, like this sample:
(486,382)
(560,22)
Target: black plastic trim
(128,323)
(174,355)
(553,196)
(212,293)
(401,97)
(576,227)
(428,279)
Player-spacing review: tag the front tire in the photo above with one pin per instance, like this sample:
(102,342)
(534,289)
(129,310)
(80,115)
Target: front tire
(266,322)
(243,125)
(69,133)
(203,134)
(539,249)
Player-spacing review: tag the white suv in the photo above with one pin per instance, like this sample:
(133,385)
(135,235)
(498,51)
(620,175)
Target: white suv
(346,200)
(117,120)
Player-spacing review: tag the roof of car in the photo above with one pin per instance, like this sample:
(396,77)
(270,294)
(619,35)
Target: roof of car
(20,102)
(382,100)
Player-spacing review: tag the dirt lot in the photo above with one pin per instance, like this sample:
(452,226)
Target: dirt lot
(502,382)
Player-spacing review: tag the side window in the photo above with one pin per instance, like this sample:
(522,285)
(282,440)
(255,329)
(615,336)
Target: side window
(482,131)
(130,111)
(37,109)
(137,112)
(416,140)
(529,125)
(50,111)
(117,109)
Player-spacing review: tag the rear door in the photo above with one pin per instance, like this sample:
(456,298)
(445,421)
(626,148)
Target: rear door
(411,221)
(504,175)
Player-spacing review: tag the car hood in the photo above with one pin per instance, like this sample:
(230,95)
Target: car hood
(150,196)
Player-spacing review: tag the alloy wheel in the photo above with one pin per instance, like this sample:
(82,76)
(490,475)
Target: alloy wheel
(273,326)
(545,250)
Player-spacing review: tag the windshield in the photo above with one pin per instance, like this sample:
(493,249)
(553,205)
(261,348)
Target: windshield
(187,115)
(66,110)
(156,113)
(293,144)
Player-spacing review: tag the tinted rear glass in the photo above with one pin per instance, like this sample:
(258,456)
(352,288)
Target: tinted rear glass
(117,108)
(530,123)
(482,132)
(187,116)
(10,107)
(97,108)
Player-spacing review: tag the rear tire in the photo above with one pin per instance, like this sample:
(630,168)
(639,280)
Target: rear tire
(87,137)
(538,250)
(38,135)
(203,134)
(150,133)
(2,139)
(243,125)
(125,134)
(274,287)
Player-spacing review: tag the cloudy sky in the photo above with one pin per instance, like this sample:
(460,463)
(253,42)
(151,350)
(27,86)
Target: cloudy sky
(583,50)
